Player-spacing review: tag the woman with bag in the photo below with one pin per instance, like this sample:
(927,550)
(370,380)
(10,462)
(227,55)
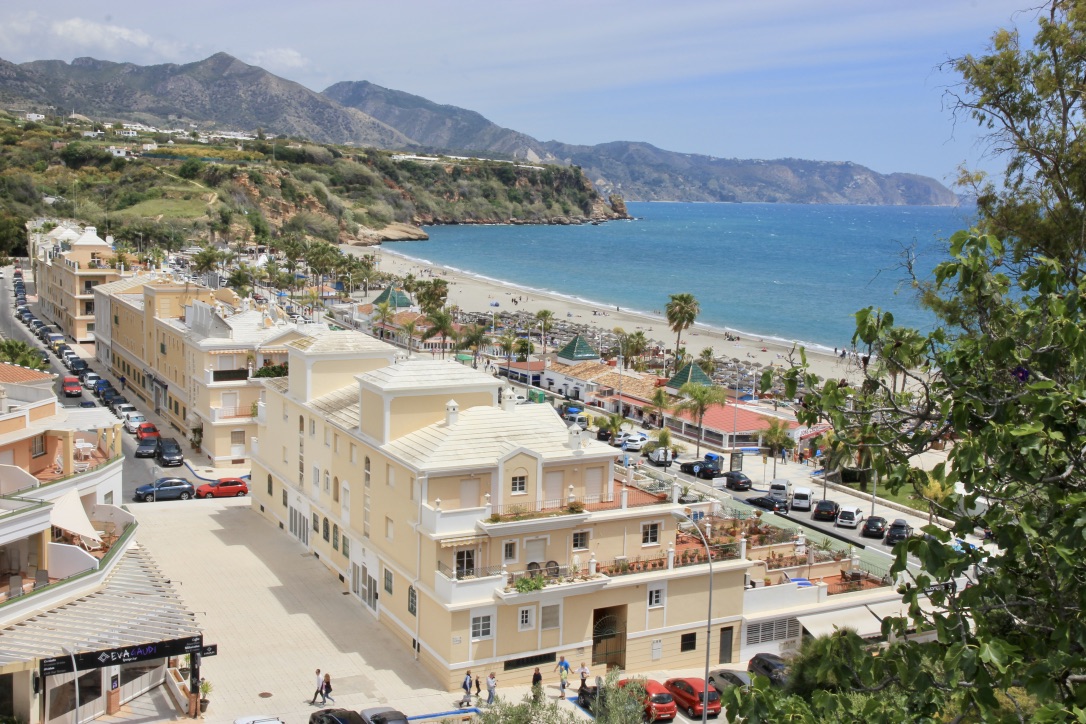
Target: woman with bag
(326,691)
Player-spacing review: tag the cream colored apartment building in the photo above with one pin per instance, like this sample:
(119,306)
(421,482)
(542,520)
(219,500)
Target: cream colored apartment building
(485,535)
(190,353)
(66,271)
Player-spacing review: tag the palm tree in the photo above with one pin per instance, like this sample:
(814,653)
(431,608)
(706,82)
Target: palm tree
(431,295)
(383,313)
(636,344)
(205,261)
(697,399)
(524,351)
(508,344)
(441,322)
(545,319)
(613,424)
(663,439)
(681,311)
(776,438)
(707,362)
(20,353)
(658,404)
(473,338)
(409,328)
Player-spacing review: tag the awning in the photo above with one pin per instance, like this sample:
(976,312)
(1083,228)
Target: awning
(464,540)
(68,514)
(859,619)
(229,351)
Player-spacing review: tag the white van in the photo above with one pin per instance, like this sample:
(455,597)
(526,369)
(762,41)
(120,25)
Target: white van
(802,499)
(780,489)
(576,418)
(849,517)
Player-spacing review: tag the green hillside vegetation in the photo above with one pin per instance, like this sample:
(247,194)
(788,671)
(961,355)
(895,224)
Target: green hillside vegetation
(185,192)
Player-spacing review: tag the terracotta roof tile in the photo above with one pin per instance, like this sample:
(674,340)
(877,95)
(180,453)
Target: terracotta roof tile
(15,373)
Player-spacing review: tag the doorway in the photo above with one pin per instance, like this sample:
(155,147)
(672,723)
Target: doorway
(609,637)
(726,636)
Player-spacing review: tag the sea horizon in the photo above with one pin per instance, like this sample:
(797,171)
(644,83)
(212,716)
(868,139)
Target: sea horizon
(781,272)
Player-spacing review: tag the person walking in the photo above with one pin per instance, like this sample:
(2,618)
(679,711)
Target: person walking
(318,691)
(466,686)
(537,685)
(326,689)
(584,672)
(124,383)
(491,688)
(478,688)
(562,667)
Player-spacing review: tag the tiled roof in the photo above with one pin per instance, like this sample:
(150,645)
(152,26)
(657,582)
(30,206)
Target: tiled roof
(15,374)
(124,284)
(328,341)
(423,374)
(690,373)
(743,418)
(340,407)
(577,350)
(396,298)
(279,384)
(482,435)
(631,383)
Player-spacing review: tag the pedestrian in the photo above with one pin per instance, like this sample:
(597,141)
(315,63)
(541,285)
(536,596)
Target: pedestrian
(537,685)
(584,672)
(326,689)
(562,667)
(478,689)
(319,688)
(491,688)
(124,382)
(466,686)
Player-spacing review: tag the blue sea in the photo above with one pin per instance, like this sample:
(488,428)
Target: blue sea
(786,271)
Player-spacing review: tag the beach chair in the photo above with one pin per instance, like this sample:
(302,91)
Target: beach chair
(41,578)
(15,587)
(90,544)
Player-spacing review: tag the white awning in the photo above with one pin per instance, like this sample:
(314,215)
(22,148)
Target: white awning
(466,540)
(68,513)
(859,619)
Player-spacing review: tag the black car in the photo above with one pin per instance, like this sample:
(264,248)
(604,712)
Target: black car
(707,469)
(874,527)
(383,715)
(603,434)
(168,453)
(108,396)
(770,666)
(147,447)
(826,510)
(899,530)
(735,480)
(336,716)
(775,504)
(78,366)
(721,679)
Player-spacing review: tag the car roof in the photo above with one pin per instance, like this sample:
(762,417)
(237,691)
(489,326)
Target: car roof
(695,682)
(899,521)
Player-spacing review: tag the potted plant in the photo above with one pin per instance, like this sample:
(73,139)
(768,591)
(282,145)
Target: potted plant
(205,689)
(186,665)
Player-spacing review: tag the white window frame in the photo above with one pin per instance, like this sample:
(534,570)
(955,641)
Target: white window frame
(526,618)
(390,528)
(588,539)
(516,550)
(645,527)
(657,596)
(482,627)
(518,485)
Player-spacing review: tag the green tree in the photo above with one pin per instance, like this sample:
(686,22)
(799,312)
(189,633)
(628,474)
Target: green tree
(190,169)
(431,295)
(474,338)
(440,323)
(544,320)
(507,343)
(613,424)
(659,404)
(681,311)
(20,353)
(706,361)
(383,314)
(697,399)
(776,437)
(409,328)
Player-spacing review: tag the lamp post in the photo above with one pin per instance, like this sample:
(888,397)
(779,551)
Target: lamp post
(708,615)
(735,408)
(75,682)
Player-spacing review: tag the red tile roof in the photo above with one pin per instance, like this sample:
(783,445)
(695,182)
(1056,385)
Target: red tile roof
(15,373)
(724,417)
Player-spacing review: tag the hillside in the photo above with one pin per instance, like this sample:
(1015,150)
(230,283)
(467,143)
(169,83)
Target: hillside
(223,92)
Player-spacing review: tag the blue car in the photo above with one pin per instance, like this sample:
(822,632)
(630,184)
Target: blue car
(165,489)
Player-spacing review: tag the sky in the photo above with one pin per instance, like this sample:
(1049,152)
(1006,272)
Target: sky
(828,80)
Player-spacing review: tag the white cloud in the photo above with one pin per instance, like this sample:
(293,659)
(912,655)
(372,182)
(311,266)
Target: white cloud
(111,38)
(278,59)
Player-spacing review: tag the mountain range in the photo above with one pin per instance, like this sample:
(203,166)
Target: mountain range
(224,92)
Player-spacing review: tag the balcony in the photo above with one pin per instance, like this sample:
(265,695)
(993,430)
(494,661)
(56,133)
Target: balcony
(233,414)
(239,375)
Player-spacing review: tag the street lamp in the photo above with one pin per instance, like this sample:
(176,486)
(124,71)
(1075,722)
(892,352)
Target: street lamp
(735,408)
(75,682)
(708,615)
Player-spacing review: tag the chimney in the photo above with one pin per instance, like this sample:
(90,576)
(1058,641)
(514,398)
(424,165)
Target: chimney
(509,399)
(452,413)
(574,441)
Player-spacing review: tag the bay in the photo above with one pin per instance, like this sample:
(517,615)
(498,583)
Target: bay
(784,271)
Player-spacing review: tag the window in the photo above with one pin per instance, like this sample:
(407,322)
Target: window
(412,601)
(346,549)
(312,428)
(162,348)
(335,443)
(301,424)
(390,476)
(284,497)
(520,483)
(37,445)
(269,485)
(325,533)
(656,597)
(580,540)
(327,482)
(389,528)
(509,551)
(526,618)
(335,537)
(550,616)
(366,472)
(778,630)
(316,477)
(335,490)
(354,454)
(316,523)
(650,534)
(327,437)
(480,627)
(388,582)
(688,642)
(237,437)
(284,453)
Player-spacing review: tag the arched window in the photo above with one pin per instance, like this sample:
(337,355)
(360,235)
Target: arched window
(335,490)
(301,424)
(269,484)
(335,537)
(327,482)
(324,532)
(366,469)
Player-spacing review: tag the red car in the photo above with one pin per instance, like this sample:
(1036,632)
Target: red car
(659,704)
(72,387)
(146,430)
(689,695)
(223,488)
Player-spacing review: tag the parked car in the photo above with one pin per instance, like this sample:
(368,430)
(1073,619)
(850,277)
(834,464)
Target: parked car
(802,498)
(764,501)
(661,457)
(825,510)
(874,527)
(90,379)
(690,695)
(603,434)
(223,488)
(133,420)
(659,704)
(707,469)
(168,453)
(736,480)
(721,679)
(72,388)
(147,447)
(383,715)
(632,441)
(898,531)
(335,716)
(119,400)
(165,489)
(147,431)
(108,395)
(849,517)
(771,666)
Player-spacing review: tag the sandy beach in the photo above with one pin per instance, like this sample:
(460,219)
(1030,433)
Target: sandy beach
(471,293)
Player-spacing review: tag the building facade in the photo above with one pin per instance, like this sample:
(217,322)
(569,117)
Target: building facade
(65,275)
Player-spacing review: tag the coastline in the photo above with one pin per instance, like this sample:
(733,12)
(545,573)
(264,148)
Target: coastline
(475,292)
